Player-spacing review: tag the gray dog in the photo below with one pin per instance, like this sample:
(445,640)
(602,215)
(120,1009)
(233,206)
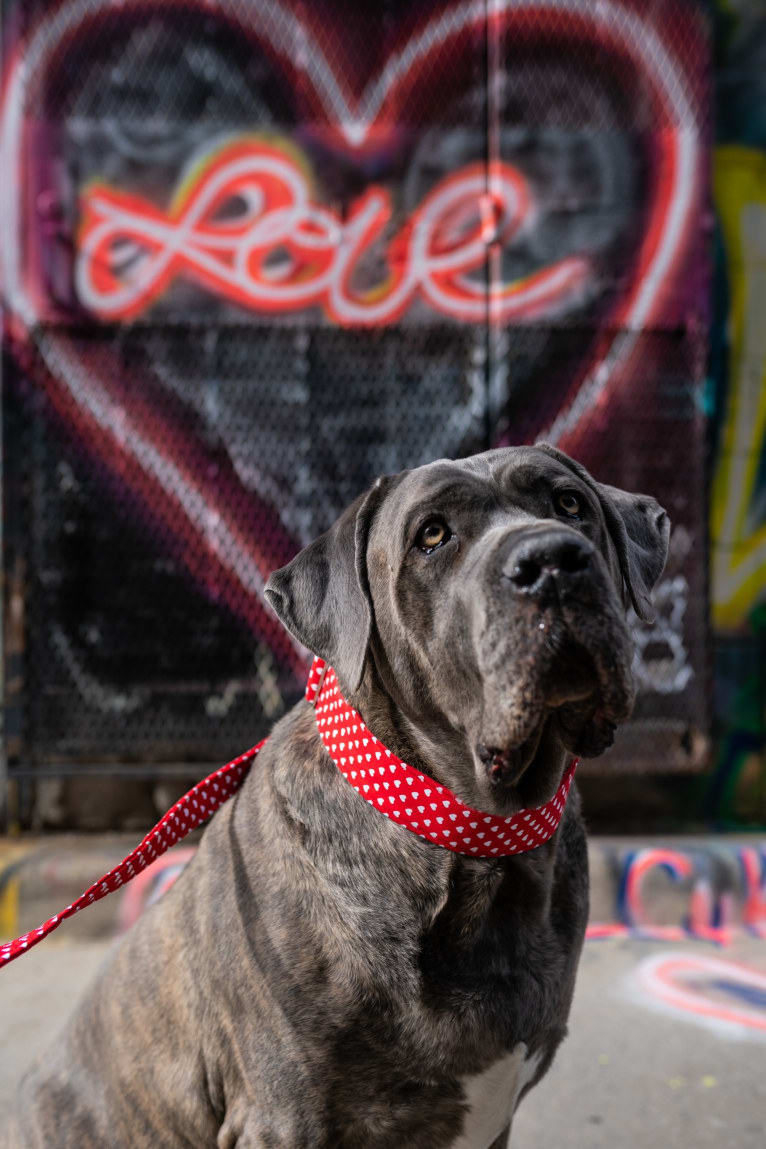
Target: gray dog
(320,977)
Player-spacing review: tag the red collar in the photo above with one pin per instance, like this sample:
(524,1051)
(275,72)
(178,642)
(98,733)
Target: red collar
(414,800)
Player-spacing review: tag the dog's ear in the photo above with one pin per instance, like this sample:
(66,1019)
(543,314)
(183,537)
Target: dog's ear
(643,550)
(639,529)
(323,595)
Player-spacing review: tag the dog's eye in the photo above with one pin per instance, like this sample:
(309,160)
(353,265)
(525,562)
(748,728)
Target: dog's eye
(434,534)
(568,502)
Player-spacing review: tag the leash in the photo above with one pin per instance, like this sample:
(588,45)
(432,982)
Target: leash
(398,791)
(190,811)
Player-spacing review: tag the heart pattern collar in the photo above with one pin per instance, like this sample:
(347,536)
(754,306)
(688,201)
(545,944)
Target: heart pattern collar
(412,799)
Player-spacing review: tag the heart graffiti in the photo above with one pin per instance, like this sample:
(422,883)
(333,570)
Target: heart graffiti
(287,250)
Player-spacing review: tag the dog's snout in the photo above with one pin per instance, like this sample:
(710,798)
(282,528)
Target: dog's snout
(534,561)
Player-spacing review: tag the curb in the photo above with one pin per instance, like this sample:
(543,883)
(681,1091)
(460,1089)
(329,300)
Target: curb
(672,888)
(669,888)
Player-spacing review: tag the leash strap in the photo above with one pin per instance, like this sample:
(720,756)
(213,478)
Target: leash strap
(191,811)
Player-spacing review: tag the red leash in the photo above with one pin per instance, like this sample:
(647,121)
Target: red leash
(415,801)
(188,812)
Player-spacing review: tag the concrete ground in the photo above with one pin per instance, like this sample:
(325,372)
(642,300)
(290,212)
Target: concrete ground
(631,1077)
(628,1076)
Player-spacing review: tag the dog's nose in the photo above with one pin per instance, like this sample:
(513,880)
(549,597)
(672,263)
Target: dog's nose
(534,561)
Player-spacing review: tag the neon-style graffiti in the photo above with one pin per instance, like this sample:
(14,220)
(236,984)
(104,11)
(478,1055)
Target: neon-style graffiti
(282,252)
(612,25)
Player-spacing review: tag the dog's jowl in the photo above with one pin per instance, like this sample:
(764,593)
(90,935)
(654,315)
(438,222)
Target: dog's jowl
(321,976)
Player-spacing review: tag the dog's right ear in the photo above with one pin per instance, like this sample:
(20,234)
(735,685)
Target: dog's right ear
(323,595)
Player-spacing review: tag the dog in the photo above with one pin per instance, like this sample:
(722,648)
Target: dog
(320,977)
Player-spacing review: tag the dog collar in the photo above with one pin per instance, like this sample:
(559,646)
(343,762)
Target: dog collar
(414,800)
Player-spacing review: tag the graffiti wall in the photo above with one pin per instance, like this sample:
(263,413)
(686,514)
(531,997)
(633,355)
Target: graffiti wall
(738,511)
(255,254)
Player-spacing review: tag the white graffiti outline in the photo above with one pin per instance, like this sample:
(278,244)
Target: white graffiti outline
(671,675)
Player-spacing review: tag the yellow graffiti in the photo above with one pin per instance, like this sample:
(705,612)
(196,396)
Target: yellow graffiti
(9,908)
(738,572)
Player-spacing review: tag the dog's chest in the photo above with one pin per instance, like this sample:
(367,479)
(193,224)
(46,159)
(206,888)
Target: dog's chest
(492,1097)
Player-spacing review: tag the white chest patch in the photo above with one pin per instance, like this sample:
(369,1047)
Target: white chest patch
(492,1096)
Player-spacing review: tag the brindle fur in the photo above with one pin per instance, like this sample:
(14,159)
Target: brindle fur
(318,977)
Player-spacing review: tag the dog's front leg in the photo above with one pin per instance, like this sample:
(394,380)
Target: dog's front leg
(257,1130)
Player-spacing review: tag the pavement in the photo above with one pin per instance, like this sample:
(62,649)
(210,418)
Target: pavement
(635,1072)
(667,1037)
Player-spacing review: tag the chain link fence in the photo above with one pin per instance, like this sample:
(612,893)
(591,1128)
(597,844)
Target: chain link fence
(256,254)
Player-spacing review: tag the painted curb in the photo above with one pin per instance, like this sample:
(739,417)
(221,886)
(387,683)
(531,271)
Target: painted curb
(667,889)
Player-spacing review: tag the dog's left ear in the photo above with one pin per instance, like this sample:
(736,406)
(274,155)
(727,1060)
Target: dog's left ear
(644,550)
(639,528)
(323,595)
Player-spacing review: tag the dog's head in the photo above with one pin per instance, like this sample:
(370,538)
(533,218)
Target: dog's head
(486,597)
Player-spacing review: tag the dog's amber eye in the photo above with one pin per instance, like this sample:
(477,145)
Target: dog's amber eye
(432,535)
(568,502)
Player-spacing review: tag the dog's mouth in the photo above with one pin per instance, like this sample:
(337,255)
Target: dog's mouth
(505,765)
(572,697)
